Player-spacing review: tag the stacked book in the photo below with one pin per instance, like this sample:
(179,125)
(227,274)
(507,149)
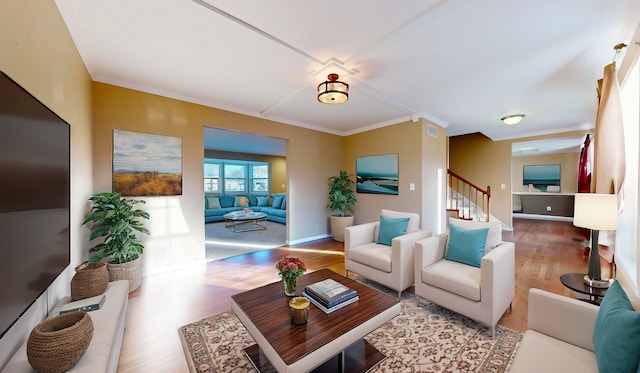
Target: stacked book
(330,295)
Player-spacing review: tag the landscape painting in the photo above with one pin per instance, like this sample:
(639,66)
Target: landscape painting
(146,164)
(377,174)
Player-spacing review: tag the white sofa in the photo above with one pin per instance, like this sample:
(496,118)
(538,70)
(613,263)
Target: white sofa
(559,336)
(108,330)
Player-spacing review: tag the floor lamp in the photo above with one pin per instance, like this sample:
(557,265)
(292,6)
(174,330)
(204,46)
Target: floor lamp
(597,212)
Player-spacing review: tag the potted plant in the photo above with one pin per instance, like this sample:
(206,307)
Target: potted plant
(116,221)
(342,199)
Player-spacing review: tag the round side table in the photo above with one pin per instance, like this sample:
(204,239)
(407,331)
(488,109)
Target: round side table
(575,282)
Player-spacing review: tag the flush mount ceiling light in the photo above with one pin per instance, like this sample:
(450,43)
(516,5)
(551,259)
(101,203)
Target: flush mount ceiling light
(333,91)
(512,119)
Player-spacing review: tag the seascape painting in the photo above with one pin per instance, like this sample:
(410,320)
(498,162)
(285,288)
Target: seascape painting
(377,174)
(146,164)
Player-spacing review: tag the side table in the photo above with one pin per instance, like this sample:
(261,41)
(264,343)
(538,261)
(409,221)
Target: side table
(575,282)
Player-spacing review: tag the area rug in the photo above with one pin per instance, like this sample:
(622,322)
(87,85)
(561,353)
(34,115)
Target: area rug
(222,242)
(425,338)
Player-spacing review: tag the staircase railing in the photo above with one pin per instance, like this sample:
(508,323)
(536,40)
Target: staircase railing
(465,199)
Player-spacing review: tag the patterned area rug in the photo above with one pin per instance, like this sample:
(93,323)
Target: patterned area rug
(425,338)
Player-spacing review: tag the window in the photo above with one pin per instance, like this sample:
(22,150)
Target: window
(626,251)
(260,178)
(235,177)
(211,177)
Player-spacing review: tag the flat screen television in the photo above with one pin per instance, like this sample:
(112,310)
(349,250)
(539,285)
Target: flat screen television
(34,199)
(541,176)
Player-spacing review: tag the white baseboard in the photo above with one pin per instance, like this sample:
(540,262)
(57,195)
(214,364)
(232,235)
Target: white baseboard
(308,239)
(542,217)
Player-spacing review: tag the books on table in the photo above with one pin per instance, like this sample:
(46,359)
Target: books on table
(330,295)
(329,310)
(84,305)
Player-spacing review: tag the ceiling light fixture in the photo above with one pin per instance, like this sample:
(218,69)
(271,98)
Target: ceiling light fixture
(333,91)
(512,119)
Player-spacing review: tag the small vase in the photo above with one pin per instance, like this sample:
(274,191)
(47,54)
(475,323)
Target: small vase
(290,285)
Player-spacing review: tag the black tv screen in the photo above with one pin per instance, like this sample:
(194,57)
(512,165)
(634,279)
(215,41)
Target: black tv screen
(34,199)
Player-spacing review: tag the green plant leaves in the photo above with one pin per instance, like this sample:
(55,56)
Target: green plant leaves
(115,219)
(342,197)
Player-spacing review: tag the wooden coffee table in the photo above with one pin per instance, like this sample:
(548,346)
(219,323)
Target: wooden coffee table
(327,342)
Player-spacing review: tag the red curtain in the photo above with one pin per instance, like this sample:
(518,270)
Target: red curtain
(584,167)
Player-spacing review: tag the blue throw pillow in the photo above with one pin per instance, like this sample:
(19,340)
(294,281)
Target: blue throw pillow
(466,245)
(277,202)
(284,203)
(263,201)
(213,202)
(616,334)
(391,228)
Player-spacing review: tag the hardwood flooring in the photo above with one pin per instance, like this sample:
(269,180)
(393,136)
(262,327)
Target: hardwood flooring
(544,251)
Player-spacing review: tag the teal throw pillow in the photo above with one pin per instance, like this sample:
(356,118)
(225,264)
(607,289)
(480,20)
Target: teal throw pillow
(466,245)
(263,201)
(283,206)
(213,202)
(277,202)
(616,334)
(391,228)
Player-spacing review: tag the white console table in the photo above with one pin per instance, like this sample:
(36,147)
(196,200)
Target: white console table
(108,330)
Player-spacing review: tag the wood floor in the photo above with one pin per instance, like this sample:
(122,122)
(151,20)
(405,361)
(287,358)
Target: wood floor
(544,251)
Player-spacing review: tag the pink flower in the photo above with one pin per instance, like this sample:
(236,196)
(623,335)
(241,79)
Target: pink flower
(290,267)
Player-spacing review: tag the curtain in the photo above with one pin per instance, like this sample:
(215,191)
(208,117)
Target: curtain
(584,166)
(609,161)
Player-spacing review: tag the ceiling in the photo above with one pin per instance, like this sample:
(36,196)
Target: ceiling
(461,64)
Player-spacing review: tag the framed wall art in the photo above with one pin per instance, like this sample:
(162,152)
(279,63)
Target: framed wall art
(377,174)
(146,164)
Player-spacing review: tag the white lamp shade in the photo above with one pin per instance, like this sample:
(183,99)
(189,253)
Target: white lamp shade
(596,211)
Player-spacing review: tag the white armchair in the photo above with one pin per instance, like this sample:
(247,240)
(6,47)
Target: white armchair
(483,293)
(391,266)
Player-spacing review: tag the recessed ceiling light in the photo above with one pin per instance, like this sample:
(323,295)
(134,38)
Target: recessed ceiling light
(512,119)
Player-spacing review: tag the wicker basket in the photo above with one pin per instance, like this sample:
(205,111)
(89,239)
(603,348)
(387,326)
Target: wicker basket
(338,224)
(57,344)
(131,271)
(91,279)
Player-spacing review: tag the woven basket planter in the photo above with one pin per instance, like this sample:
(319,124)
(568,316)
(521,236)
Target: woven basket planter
(91,279)
(338,224)
(131,271)
(57,344)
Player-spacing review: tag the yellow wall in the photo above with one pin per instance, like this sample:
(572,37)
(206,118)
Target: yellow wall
(177,223)
(485,163)
(402,139)
(38,53)
(278,165)
(568,169)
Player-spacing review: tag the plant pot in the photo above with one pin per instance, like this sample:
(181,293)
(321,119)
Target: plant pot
(338,224)
(57,344)
(131,271)
(91,279)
